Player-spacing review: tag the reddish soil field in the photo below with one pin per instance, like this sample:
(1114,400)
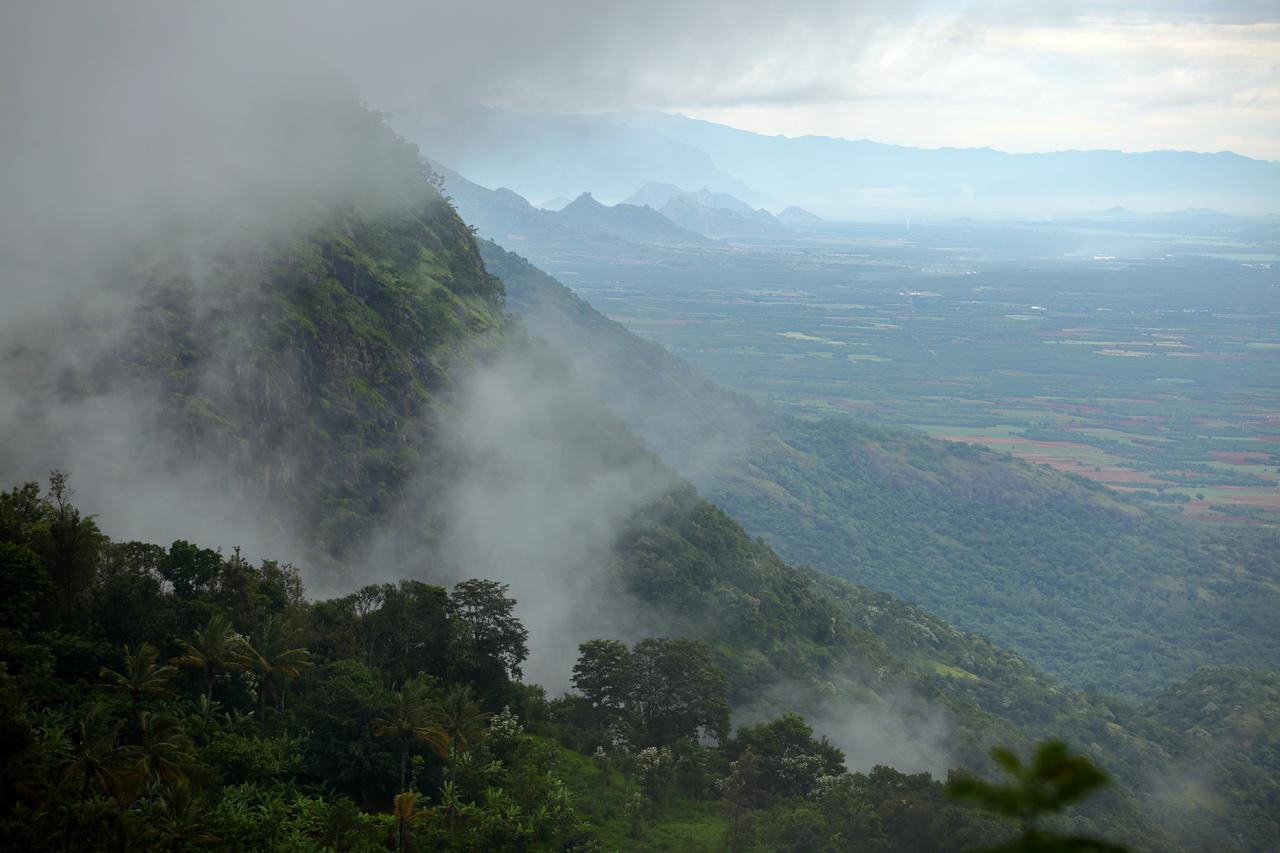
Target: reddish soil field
(1120,476)
(1238,457)
(1244,497)
(1058,405)
(1144,401)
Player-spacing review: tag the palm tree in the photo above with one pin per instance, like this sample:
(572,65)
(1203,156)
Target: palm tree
(405,808)
(462,718)
(179,817)
(165,748)
(217,648)
(97,758)
(413,718)
(276,659)
(143,675)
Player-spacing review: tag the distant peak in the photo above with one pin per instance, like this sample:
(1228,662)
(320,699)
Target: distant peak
(585,200)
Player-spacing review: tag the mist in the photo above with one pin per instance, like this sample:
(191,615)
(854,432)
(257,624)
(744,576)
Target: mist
(161,141)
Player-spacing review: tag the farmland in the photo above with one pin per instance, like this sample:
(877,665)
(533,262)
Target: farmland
(1143,353)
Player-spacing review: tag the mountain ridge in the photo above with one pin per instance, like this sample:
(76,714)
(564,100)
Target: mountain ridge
(839,178)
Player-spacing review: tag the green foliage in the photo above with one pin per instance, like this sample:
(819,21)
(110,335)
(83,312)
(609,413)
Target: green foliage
(788,760)
(654,694)
(1051,781)
(133,754)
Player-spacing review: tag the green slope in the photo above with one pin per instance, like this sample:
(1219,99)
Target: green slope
(320,369)
(1078,579)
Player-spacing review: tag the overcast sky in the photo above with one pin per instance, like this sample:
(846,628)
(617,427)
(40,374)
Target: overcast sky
(1020,76)
(1134,76)
(1105,81)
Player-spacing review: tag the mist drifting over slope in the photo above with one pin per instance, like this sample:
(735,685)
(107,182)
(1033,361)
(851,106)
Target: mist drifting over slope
(170,147)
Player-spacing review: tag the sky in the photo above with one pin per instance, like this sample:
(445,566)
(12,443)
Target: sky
(1017,77)
(1131,83)
(1150,74)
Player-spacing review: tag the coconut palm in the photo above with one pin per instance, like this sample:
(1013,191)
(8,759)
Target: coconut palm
(143,675)
(406,811)
(276,659)
(96,758)
(178,818)
(164,750)
(413,718)
(216,648)
(462,718)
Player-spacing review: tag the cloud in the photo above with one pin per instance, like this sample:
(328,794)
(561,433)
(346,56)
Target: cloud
(1005,75)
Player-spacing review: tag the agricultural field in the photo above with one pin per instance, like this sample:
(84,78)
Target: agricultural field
(1142,353)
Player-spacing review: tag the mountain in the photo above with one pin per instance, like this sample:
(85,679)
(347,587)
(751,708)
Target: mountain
(840,178)
(653,194)
(799,218)
(712,214)
(685,210)
(556,203)
(736,450)
(994,545)
(562,154)
(353,382)
(581,224)
(629,222)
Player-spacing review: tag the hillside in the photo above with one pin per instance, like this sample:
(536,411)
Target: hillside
(1011,550)
(359,389)
(364,394)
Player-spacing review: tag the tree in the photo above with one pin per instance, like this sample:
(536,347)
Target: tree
(413,718)
(24,587)
(97,759)
(605,676)
(143,676)
(410,630)
(462,718)
(658,692)
(488,639)
(678,693)
(406,811)
(190,569)
(790,758)
(276,659)
(216,648)
(164,750)
(1053,780)
(338,707)
(179,817)
(73,544)
(738,789)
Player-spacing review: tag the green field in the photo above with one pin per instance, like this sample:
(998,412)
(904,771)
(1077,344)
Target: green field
(1145,361)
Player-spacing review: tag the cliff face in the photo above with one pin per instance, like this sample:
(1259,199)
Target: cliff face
(313,365)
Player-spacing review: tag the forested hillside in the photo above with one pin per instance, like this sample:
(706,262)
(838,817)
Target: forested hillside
(1082,581)
(354,378)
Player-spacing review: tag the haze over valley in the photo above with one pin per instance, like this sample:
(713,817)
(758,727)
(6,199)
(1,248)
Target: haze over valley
(698,427)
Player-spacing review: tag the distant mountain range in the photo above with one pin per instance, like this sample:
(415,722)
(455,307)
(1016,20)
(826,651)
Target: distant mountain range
(631,222)
(610,154)
(656,214)
(710,213)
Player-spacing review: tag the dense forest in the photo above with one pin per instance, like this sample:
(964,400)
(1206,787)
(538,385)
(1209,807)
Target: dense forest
(177,698)
(183,697)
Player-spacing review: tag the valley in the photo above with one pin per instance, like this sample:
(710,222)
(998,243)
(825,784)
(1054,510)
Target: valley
(1144,355)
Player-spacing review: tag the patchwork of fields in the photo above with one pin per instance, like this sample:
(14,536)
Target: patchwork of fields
(1141,354)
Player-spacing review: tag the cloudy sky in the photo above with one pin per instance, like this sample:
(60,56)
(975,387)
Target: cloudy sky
(1105,81)
(1134,76)
(1146,74)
